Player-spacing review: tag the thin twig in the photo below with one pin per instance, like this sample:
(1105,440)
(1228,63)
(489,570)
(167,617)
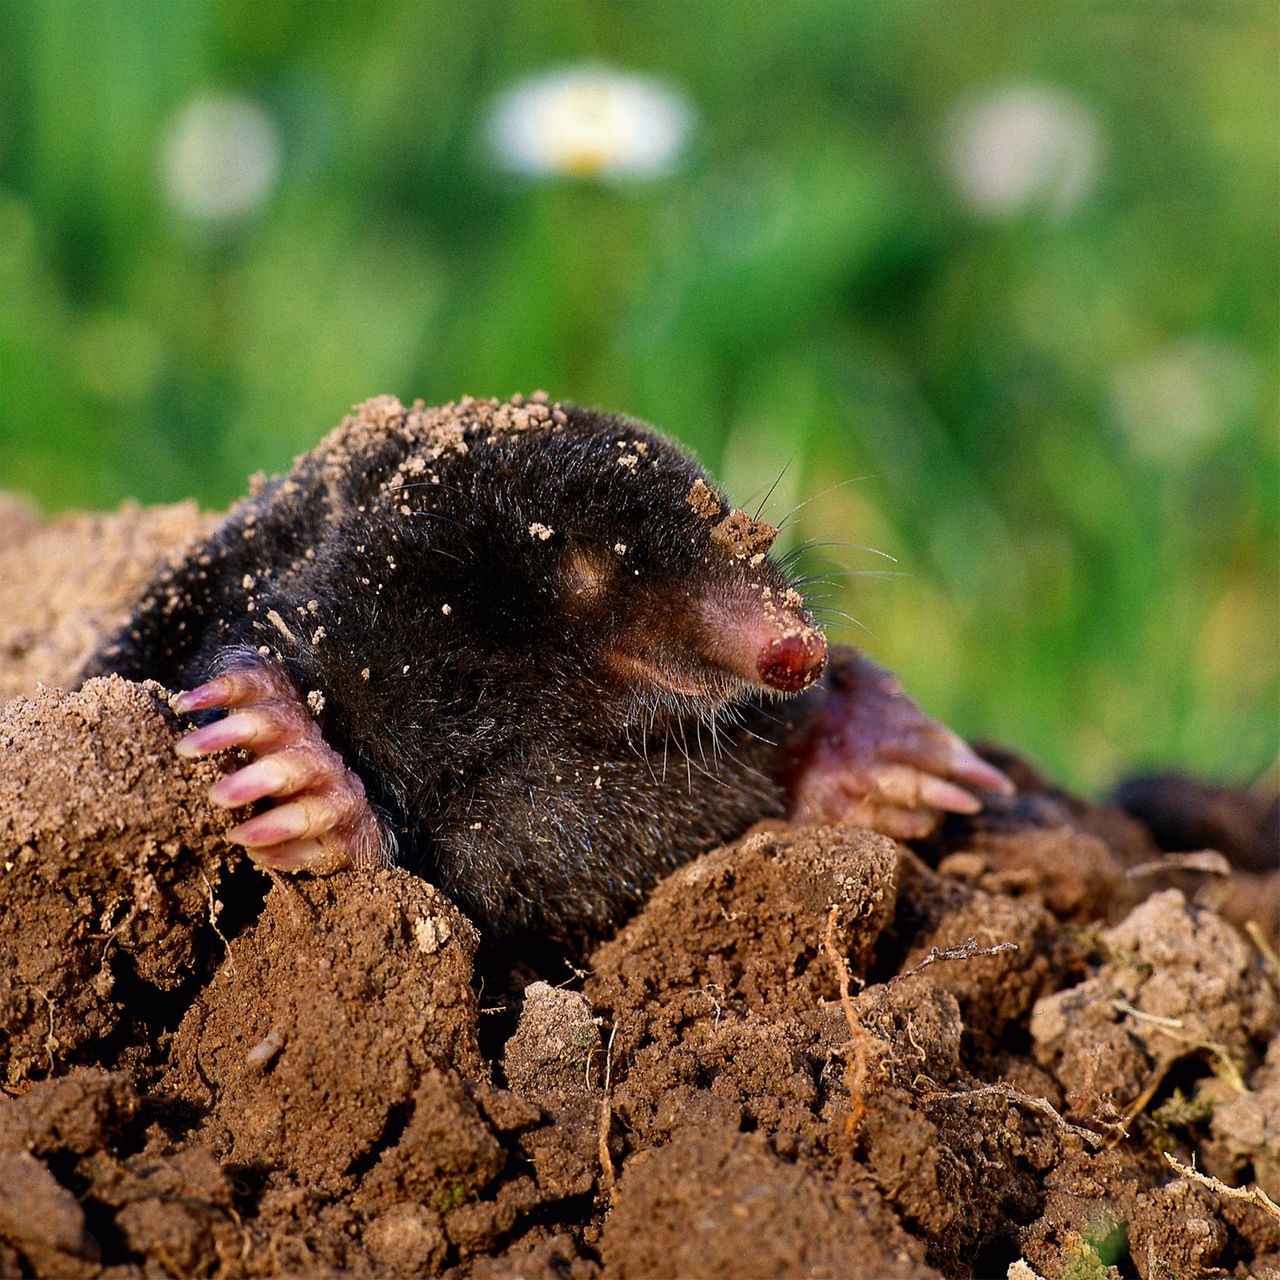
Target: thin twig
(1270,960)
(1165,1024)
(1140,1103)
(856,1067)
(608,1177)
(1206,861)
(287,895)
(50,1041)
(1003,1089)
(215,910)
(967,950)
(1254,1195)
(1172,1028)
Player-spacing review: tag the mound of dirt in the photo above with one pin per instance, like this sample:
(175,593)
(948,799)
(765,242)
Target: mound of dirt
(813,1053)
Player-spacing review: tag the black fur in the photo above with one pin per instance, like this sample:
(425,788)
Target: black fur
(516,770)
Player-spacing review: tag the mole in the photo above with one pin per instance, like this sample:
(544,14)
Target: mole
(529,651)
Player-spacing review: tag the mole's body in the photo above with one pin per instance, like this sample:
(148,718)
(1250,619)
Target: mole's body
(530,651)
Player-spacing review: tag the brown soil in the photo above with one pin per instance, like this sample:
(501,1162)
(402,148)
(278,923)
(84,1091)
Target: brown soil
(815,1053)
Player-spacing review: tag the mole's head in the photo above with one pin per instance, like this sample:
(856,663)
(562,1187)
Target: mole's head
(598,559)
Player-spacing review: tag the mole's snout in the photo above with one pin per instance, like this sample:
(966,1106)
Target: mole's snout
(793,660)
(768,642)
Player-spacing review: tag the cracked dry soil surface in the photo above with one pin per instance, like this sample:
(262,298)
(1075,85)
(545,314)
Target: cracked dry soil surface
(812,1053)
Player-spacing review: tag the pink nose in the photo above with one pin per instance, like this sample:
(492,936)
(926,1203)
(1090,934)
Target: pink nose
(793,661)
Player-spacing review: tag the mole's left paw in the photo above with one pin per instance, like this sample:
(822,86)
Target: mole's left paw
(320,818)
(871,756)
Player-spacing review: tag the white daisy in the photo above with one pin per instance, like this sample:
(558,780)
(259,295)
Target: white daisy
(1023,147)
(1179,402)
(590,122)
(220,158)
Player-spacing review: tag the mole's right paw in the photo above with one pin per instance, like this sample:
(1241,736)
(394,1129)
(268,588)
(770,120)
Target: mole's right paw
(320,818)
(869,755)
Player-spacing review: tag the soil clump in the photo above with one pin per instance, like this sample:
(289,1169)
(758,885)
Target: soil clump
(815,1052)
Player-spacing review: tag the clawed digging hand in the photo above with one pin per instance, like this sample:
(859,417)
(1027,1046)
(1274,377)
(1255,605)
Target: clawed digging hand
(320,818)
(871,756)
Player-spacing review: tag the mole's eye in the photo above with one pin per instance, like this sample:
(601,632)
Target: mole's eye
(587,574)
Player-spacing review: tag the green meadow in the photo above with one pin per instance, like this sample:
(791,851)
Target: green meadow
(990,288)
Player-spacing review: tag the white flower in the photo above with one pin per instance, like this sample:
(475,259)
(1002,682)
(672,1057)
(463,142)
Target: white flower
(1182,400)
(220,158)
(1022,147)
(590,122)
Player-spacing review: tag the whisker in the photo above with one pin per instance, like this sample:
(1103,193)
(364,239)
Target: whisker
(831,575)
(702,748)
(759,737)
(713,726)
(732,717)
(788,558)
(840,485)
(760,710)
(765,500)
(826,611)
(690,763)
(813,544)
(439,516)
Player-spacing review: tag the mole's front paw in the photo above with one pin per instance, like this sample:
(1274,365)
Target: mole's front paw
(320,819)
(871,756)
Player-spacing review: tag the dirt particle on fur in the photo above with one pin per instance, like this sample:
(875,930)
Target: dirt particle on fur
(743,537)
(704,500)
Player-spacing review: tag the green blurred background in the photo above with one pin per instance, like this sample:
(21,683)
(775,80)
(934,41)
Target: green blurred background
(1011,268)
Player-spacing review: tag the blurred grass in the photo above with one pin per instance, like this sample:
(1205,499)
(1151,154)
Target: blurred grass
(808,289)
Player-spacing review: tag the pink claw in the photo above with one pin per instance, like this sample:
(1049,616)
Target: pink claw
(296,768)
(244,686)
(965,765)
(248,729)
(323,819)
(871,756)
